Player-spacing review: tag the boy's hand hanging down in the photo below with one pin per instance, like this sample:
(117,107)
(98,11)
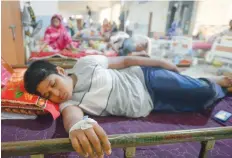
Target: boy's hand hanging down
(90,142)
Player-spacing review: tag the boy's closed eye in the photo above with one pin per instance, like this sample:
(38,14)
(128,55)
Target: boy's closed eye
(48,95)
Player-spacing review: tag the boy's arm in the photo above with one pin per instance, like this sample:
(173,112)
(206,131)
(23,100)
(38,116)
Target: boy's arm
(141,54)
(71,115)
(127,61)
(83,140)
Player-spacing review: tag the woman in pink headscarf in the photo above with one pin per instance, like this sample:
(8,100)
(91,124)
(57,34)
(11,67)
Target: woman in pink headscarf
(57,37)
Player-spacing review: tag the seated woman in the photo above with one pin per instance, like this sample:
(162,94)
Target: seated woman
(57,37)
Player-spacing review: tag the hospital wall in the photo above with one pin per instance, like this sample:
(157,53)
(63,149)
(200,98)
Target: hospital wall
(138,16)
(213,12)
(43,7)
(43,11)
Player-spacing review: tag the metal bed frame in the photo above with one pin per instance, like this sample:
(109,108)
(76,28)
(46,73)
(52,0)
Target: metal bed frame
(206,136)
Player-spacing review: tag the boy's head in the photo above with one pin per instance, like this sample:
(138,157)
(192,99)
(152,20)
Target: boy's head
(49,81)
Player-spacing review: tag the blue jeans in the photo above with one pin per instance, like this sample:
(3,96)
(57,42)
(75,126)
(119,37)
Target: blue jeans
(171,91)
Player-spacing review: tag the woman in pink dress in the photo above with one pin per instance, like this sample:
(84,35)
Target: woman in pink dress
(57,37)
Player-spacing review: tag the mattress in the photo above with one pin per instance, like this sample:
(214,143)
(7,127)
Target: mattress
(45,128)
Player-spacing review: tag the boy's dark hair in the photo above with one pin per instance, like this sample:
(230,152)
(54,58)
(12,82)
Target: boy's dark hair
(37,72)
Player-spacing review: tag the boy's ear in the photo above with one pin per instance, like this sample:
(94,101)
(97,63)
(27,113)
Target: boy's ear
(60,70)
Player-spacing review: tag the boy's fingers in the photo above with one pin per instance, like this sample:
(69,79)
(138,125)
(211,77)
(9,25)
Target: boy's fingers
(103,138)
(93,138)
(76,146)
(85,143)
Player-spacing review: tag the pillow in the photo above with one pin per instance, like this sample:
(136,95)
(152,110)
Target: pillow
(15,98)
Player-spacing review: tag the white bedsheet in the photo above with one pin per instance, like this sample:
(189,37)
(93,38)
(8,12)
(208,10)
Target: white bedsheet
(13,116)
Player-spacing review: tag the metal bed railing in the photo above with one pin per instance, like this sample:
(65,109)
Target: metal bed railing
(207,137)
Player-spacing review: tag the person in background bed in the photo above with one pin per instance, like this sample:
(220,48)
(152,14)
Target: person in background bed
(125,45)
(57,37)
(98,45)
(122,86)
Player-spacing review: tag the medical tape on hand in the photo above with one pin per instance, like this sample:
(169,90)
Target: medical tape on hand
(84,124)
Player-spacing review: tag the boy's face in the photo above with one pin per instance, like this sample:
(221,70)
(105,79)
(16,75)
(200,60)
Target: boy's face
(56,88)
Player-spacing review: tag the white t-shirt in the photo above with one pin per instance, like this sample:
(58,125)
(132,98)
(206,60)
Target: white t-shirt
(102,91)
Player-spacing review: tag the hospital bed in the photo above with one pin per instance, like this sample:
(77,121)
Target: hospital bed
(173,135)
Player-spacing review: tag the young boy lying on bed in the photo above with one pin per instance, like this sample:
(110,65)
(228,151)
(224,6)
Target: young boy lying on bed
(123,86)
